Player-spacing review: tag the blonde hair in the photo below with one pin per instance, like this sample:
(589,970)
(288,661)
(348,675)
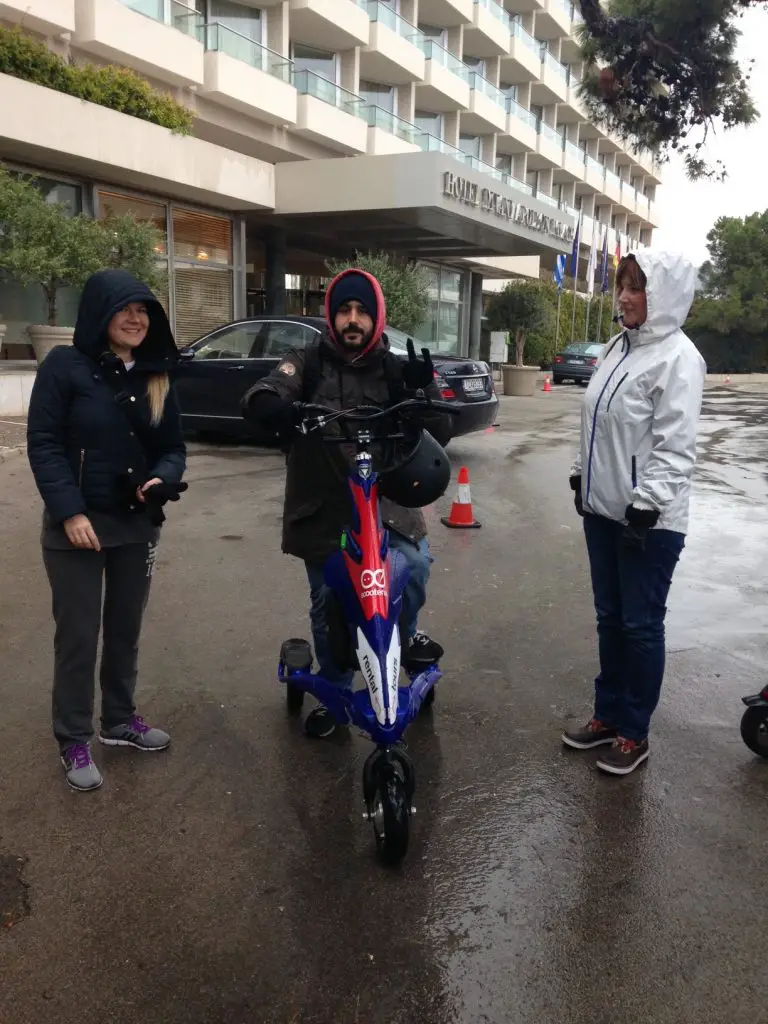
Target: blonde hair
(158,387)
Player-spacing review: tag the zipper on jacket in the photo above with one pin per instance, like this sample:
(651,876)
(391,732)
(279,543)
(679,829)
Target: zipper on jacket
(634,472)
(82,464)
(597,410)
(613,395)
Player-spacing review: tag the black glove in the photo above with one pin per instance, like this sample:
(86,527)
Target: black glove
(639,522)
(270,410)
(575,482)
(418,374)
(158,495)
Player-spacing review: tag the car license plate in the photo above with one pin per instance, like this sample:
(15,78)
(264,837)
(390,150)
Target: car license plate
(579,361)
(474,384)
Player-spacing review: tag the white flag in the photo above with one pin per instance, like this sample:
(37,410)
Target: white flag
(592,269)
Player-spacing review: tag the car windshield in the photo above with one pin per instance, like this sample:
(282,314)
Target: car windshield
(583,349)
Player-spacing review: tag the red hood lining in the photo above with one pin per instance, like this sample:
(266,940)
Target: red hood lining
(381,312)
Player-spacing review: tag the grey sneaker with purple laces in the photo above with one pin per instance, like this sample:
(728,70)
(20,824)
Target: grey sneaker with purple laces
(81,773)
(135,733)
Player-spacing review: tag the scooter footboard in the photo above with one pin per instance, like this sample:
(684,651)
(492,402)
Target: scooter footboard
(337,700)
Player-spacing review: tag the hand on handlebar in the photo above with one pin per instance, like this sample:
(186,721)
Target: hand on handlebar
(418,374)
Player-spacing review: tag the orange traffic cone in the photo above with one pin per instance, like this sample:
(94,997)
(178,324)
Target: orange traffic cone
(547,384)
(461,517)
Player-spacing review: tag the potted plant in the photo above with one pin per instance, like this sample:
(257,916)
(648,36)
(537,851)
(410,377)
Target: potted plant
(44,244)
(520,308)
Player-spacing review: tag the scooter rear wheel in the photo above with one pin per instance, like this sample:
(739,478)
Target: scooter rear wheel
(390,815)
(754,730)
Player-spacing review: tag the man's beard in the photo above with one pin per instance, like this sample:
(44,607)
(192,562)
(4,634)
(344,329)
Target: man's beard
(357,346)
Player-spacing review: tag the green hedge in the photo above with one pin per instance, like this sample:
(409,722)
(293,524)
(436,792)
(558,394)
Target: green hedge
(110,86)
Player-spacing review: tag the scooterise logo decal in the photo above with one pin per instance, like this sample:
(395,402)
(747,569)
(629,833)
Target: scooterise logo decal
(373,583)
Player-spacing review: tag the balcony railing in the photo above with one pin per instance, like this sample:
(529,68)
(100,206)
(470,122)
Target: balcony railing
(380,12)
(226,40)
(177,15)
(525,38)
(548,61)
(612,179)
(388,122)
(595,166)
(574,77)
(479,165)
(521,186)
(574,151)
(550,134)
(309,83)
(431,144)
(526,116)
(480,84)
(566,208)
(438,53)
(497,11)
(544,198)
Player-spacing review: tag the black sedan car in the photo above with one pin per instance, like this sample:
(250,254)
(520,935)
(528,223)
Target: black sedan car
(217,370)
(576,362)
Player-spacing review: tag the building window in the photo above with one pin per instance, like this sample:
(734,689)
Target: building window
(504,163)
(383,96)
(444,327)
(470,144)
(321,62)
(238,17)
(432,124)
(432,32)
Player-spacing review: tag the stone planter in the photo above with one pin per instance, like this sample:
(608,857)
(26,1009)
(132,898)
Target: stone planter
(519,380)
(44,338)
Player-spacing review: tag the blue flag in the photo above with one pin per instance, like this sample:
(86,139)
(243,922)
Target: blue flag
(575,253)
(604,278)
(560,271)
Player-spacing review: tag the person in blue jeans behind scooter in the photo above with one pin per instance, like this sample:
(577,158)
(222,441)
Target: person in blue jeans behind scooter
(350,366)
(632,484)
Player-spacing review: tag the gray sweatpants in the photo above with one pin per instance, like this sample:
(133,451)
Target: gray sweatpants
(76,584)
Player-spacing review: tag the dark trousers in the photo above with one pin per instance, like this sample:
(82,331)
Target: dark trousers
(76,584)
(630,589)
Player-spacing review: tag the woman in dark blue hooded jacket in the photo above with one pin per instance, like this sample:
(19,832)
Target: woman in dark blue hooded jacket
(106,450)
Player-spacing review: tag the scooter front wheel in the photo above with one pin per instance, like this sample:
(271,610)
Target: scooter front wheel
(754,730)
(390,816)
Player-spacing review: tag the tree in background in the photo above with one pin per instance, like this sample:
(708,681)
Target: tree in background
(42,243)
(729,318)
(521,308)
(405,286)
(662,73)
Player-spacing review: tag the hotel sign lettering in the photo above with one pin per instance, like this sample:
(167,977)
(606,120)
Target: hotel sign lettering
(486,200)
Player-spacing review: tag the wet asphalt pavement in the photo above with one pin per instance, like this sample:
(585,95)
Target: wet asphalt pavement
(233,881)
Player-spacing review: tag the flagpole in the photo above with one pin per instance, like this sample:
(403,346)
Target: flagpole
(559,304)
(600,321)
(586,328)
(575,269)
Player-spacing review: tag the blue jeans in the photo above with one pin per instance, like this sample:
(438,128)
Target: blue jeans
(419,561)
(630,588)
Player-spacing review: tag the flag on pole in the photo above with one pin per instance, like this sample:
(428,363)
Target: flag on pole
(575,252)
(604,279)
(592,268)
(560,271)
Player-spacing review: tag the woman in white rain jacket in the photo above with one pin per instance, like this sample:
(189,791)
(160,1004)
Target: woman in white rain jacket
(632,483)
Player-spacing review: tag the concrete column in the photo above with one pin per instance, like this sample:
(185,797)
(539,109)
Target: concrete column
(524,95)
(520,166)
(488,149)
(546,182)
(528,23)
(409,9)
(406,101)
(588,206)
(456,40)
(493,70)
(451,128)
(475,314)
(610,161)
(549,115)
(350,70)
(569,193)
(621,222)
(572,133)
(593,146)
(278,35)
(275,249)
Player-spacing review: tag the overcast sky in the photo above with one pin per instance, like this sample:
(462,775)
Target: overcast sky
(686,210)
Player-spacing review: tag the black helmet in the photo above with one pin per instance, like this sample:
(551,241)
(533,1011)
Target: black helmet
(421,479)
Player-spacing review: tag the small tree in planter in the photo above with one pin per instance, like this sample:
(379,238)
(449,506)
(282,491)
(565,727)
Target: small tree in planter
(44,244)
(520,308)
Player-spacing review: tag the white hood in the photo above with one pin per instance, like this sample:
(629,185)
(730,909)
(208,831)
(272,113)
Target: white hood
(670,290)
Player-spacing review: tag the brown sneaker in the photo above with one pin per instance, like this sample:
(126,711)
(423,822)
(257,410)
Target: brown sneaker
(594,734)
(623,757)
